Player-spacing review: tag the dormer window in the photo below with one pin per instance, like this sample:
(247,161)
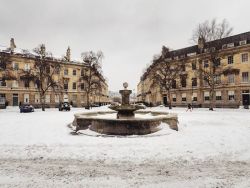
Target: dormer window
(224,46)
(230,45)
(243,42)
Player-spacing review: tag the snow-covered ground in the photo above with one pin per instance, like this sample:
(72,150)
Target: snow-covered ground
(211,149)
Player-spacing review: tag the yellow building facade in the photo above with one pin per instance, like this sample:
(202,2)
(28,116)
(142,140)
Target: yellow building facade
(232,88)
(16,91)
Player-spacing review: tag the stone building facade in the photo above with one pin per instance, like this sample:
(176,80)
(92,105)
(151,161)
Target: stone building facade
(232,88)
(16,91)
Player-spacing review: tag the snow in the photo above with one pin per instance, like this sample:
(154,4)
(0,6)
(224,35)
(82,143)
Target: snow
(211,149)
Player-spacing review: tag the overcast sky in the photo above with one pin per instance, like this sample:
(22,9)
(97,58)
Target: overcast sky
(129,32)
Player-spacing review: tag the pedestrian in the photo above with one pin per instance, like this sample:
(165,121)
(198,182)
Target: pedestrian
(189,107)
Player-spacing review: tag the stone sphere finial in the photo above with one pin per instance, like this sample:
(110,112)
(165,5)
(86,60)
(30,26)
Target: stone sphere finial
(125,85)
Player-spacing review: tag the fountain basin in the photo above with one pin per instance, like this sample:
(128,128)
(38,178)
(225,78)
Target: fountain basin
(105,122)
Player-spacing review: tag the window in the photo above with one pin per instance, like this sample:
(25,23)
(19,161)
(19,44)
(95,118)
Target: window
(218,95)
(26,67)
(82,72)
(194,82)
(26,83)
(183,81)
(74,86)
(26,98)
(245,77)
(65,98)
(205,83)
(206,64)
(37,98)
(57,70)
(15,66)
(183,97)
(183,67)
(243,42)
(57,97)
(48,69)
(65,86)
(206,96)
(194,65)
(14,83)
(224,46)
(230,45)
(82,98)
(230,59)
(174,97)
(2,82)
(66,72)
(194,97)
(74,98)
(244,57)
(74,72)
(217,79)
(230,95)
(230,78)
(82,86)
(47,98)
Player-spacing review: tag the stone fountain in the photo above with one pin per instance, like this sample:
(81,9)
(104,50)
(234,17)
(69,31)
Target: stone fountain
(124,119)
(125,110)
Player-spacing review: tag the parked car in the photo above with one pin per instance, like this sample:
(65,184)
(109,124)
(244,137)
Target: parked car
(141,105)
(26,108)
(64,106)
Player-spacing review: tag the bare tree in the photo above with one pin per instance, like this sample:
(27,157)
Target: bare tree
(165,74)
(208,35)
(43,73)
(211,30)
(5,67)
(91,73)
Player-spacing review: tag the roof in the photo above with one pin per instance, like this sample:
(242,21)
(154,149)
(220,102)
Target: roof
(184,52)
(227,40)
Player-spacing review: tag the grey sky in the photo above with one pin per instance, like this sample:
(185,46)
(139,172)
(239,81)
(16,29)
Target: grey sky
(129,32)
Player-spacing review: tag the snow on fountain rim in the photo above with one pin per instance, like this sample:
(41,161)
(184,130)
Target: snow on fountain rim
(139,115)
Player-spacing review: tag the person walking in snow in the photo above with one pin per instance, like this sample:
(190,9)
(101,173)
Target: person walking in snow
(189,107)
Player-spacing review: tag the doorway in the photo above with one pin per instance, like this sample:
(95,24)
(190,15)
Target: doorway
(165,100)
(15,99)
(245,98)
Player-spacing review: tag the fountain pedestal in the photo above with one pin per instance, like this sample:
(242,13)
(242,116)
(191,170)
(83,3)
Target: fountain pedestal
(125,110)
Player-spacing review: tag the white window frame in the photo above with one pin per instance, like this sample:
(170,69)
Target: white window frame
(37,98)
(14,65)
(230,45)
(194,95)
(244,59)
(26,98)
(206,94)
(74,97)
(218,94)
(231,94)
(15,83)
(57,98)
(230,61)
(245,80)
(231,78)
(47,98)
(26,66)
(243,42)
(183,95)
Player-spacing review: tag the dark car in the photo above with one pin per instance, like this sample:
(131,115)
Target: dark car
(64,106)
(26,108)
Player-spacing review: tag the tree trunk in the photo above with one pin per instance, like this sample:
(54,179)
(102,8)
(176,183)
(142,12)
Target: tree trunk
(88,106)
(42,101)
(169,99)
(211,106)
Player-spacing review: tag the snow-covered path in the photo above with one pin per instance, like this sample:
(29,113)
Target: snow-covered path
(211,149)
